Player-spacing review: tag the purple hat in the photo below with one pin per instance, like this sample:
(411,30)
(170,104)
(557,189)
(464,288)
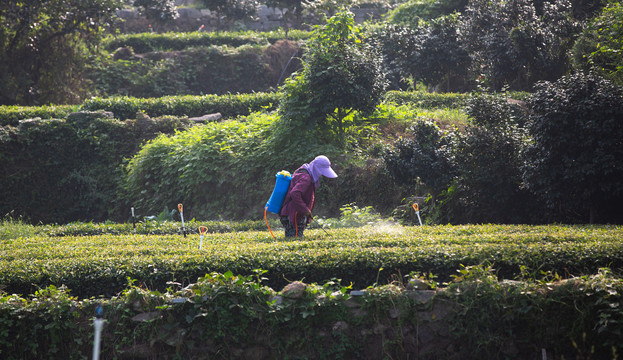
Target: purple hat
(320,166)
(323,165)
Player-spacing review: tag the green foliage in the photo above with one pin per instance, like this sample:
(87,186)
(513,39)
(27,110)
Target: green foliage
(599,47)
(516,43)
(100,264)
(11,228)
(427,100)
(223,314)
(65,170)
(232,10)
(143,226)
(439,59)
(171,41)
(158,11)
(45,48)
(393,42)
(508,307)
(576,157)
(209,169)
(424,158)
(10,115)
(352,215)
(340,75)
(229,105)
(195,71)
(413,13)
(487,161)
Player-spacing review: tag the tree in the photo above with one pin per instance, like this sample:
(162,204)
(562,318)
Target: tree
(599,48)
(575,162)
(439,59)
(412,13)
(515,43)
(232,9)
(291,11)
(396,45)
(45,45)
(157,11)
(341,74)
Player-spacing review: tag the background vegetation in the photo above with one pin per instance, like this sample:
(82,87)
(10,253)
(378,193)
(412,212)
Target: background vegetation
(480,112)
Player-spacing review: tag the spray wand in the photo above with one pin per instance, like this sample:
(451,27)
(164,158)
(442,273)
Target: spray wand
(325,231)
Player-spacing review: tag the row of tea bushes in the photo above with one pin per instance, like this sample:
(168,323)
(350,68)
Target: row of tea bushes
(230,105)
(124,107)
(100,265)
(148,42)
(228,316)
(11,114)
(441,100)
(153,227)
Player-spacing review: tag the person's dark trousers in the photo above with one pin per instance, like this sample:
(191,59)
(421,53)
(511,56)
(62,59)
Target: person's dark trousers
(291,230)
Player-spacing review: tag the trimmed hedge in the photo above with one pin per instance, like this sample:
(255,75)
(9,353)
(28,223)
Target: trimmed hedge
(440,100)
(148,42)
(427,100)
(229,105)
(100,265)
(11,115)
(145,227)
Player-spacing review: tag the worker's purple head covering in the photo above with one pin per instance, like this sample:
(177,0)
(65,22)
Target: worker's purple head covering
(320,166)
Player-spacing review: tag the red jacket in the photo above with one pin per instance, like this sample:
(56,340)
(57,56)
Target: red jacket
(300,197)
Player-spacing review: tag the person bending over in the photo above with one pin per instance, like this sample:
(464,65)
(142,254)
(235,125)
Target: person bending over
(298,204)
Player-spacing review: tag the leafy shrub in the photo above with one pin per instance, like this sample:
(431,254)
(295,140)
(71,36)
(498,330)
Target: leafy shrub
(517,43)
(486,158)
(412,13)
(576,157)
(340,75)
(143,226)
(422,160)
(352,216)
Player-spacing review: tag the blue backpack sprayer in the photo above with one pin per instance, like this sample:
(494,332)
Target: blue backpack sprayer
(279,194)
